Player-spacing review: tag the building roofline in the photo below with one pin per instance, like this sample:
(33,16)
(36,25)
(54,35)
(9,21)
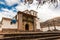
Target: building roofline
(19,12)
(6,18)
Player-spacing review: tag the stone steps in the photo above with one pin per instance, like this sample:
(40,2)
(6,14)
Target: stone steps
(40,36)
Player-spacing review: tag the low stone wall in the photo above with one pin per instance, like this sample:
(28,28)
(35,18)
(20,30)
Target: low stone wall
(9,30)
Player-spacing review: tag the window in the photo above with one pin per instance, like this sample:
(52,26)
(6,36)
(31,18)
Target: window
(13,21)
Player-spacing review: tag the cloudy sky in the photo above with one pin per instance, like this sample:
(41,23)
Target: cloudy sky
(9,8)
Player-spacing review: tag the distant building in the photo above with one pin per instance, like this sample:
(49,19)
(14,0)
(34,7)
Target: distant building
(25,21)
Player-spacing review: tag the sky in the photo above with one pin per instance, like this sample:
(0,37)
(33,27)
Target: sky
(9,8)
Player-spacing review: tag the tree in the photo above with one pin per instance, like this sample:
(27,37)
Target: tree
(42,2)
(54,2)
(54,25)
(49,27)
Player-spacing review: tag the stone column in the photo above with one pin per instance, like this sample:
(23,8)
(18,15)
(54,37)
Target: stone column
(20,21)
(34,27)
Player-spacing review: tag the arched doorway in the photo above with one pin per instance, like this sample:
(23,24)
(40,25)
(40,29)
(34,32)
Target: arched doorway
(27,27)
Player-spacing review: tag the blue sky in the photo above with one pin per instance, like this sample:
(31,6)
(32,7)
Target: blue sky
(9,8)
(3,4)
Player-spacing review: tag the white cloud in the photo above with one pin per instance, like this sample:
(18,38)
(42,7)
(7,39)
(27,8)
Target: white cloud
(2,3)
(46,13)
(7,13)
(21,7)
(11,2)
(0,16)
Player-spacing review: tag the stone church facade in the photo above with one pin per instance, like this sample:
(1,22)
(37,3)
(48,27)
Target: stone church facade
(25,21)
